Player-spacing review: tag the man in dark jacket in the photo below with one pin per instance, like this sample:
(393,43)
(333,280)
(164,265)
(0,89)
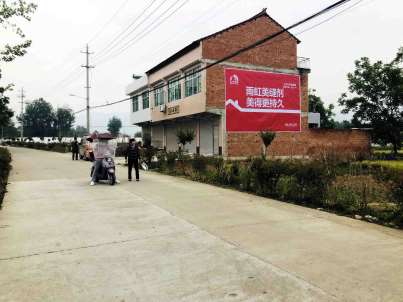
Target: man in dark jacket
(132,157)
(74,149)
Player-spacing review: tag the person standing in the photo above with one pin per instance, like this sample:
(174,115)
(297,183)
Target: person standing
(132,157)
(74,149)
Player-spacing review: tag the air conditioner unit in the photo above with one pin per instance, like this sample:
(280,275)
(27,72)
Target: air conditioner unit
(162,108)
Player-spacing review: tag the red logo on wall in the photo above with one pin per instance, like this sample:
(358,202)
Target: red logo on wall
(262,101)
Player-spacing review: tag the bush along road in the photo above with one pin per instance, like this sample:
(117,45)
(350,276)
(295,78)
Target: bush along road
(5,167)
(357,189)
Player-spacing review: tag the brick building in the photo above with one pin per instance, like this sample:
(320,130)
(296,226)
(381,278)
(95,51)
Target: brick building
(181,99)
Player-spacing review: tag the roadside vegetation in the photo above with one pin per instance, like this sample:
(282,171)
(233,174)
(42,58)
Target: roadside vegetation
(49,146)
(361,190)
(5,167)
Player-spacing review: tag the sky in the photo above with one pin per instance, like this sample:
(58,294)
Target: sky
(60,30)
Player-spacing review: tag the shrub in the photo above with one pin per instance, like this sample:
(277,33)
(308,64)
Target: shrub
(199,163)
(287,187)
(353,194)
(5,167)
(171,160)
(245,177)
(161,160)
(148,153)
(265,174)
(313,178)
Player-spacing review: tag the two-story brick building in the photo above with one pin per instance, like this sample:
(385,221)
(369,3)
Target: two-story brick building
(172,96)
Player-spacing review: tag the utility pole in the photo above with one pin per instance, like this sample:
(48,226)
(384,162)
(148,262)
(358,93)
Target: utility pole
(22,96)
(87,66)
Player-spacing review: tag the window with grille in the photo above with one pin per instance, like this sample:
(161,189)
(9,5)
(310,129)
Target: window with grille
(174,90)
(192,81)
(146,101)
(158,96)
(135,103)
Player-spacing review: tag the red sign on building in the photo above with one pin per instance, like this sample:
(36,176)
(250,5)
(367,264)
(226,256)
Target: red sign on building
(262,101)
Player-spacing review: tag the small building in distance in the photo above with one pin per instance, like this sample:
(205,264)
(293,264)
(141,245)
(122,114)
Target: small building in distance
(228,104)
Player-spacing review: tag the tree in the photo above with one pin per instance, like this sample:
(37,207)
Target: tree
(5,113)
(114,125)
(326,114)
(80,131)
(343,125)
(267,138)
(377,98)
(64,121)
(9,131)
(185,136)
(9,11)
(39,119)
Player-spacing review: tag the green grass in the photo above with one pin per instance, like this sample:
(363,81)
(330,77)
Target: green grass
(394,164)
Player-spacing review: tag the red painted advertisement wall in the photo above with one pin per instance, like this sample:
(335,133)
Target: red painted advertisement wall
(262,101)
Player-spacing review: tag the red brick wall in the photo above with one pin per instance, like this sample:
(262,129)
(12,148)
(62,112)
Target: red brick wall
(280,53)
(310,142)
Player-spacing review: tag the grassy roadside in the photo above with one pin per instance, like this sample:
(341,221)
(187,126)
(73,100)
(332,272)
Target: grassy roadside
(360,190)
(5,167)
(393,164)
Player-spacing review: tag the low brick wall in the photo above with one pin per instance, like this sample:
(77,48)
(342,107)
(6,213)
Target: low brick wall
(309,142)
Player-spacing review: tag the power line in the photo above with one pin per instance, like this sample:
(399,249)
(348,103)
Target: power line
(246,48)
(139,36)
(108,22)
(322,22)
(117,39)
(331,17)
(189,28)
(75,71)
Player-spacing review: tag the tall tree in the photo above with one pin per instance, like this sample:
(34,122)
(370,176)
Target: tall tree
(64,121)
(114,125)
(377,99)
(9,131)
(9,12)
(39,119)
(326,114)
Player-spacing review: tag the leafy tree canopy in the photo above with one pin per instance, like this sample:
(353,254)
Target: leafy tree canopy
(185,136)
(376,98)
(326,114)
(10,12)
(64,121)
(39,119)
(114,125)
(5,112)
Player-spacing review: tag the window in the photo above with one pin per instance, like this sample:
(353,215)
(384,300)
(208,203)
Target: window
(145,98)
(158,96)
(192,81)
(174,90)
(135,103)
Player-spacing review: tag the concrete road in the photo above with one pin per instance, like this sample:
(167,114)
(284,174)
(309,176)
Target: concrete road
(169,239)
